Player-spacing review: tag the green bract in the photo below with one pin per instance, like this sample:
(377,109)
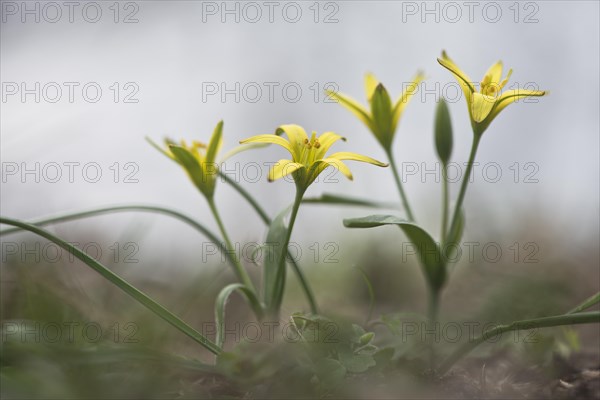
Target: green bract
(384,115)
(197,159)
(443,132)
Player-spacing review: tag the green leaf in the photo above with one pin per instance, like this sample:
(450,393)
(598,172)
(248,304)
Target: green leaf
(358,331)
(329,371)
(221,302)
(186,159)
(355,363)
(586,304)
(383,357)
(267,220)
(327,198)
(366,338)
(443,132)
(129,208)
(125,286)
(256,253)
(273,273)
(193,168)
(396,321)
(545,322)
(429,253)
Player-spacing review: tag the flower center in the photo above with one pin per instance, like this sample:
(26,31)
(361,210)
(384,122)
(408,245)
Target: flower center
(489,87)
(490,90)
(310,149)
(198,149)
(199,145)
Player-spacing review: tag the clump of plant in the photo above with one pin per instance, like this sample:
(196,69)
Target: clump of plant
(355,349)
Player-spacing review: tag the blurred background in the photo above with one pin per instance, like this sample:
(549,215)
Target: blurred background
(84,84)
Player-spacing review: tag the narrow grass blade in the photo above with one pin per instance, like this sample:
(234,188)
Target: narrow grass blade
(182,217)
(127,208)
(586,304)
(221,302)
(546,322)
(335,199)
(138,295)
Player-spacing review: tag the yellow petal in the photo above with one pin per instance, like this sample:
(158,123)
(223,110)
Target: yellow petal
(325,141)
(345,155)
(320,165)
(370,84)
(405,97)
(270,138)
(166,152)
(464,81)
(481,106)
(505,80)
(283,168)
(354,107)
(295,133)
(343,168)
(297,137)
(493,74)
(510,96)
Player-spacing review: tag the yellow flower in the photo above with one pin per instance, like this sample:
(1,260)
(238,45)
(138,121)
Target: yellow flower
(197,159)
(484,105)
(382,120)
(308,155)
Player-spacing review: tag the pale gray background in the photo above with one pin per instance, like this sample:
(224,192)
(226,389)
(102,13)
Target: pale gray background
(171,51)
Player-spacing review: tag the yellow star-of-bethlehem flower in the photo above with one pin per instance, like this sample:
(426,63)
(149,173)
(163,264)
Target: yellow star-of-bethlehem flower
(383,117)
(197,159)
(484,105)
(309,157)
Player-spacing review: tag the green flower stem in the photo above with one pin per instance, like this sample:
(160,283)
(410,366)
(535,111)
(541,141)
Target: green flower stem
(280,278)
(445,204)
(125,286)
(465,182)
(239,269)
(265,218)
(403,197)
(546,322)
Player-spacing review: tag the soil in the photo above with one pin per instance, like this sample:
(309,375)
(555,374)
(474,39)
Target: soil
(502,378)
(498,377)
